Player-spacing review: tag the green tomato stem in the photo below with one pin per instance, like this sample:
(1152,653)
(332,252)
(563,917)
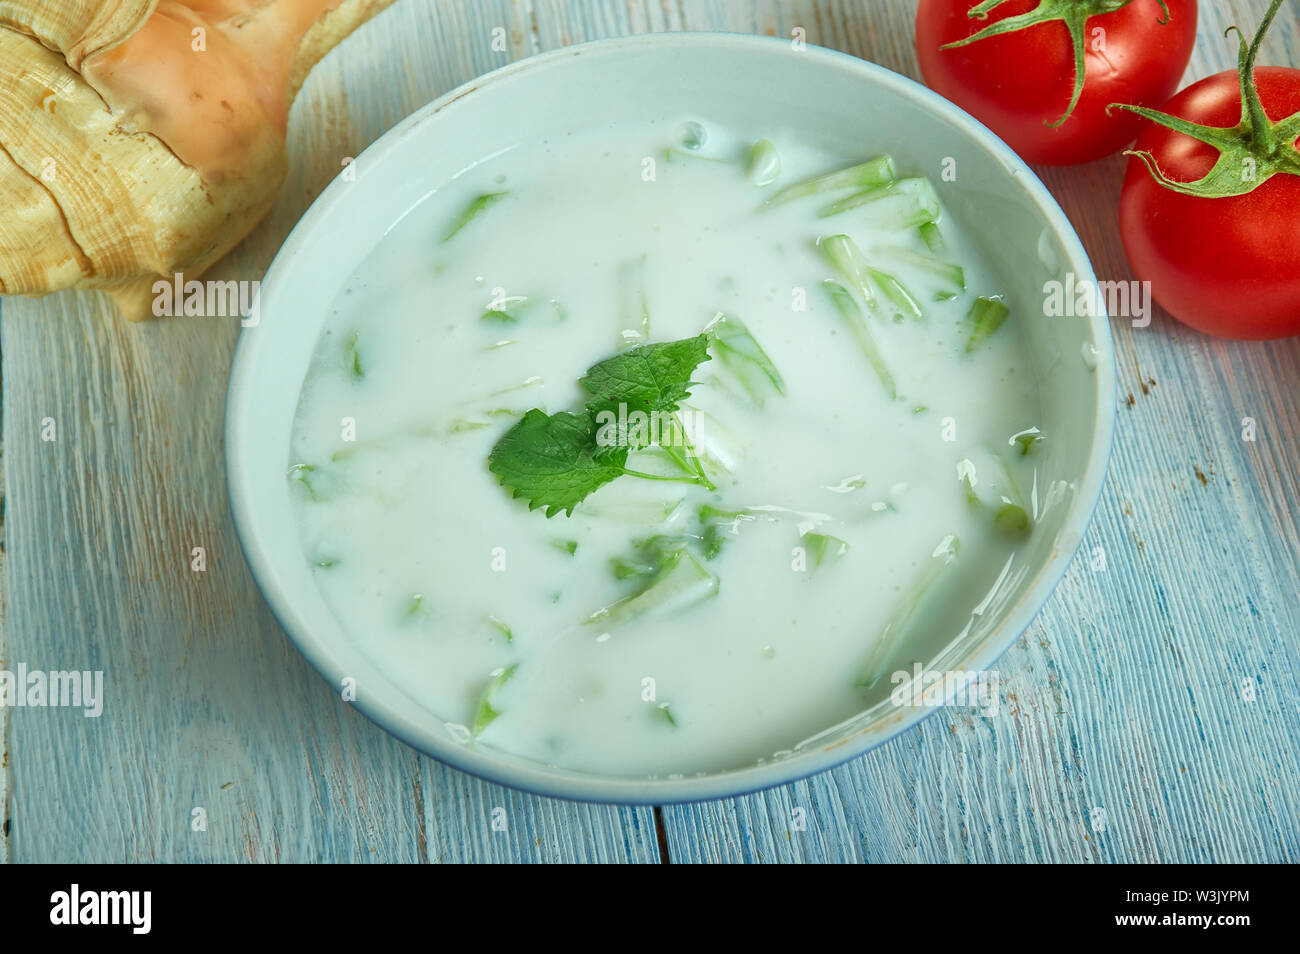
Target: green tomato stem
(1250,153)
(1073,13)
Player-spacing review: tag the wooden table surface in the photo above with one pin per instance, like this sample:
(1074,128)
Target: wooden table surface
(1150,713)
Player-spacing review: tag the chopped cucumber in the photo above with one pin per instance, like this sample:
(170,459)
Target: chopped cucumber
(922,205)
(858,199)
(849,484)
(871,174)
(919,205)
(462,424)
(764,166)
(715,537)
(953,274)
(352,356)
(474,210)
(634,305)
(502,627)
(988,483)
(895,630)
(710,512)
(847,259)
(898,294)
(985,316)
(692,135)
(822,547)
(718,526)
(632,511)
(509,312)
(653,556)
(932,236)
(849,310)
(741,354)
(1012,520)
(301,476)
(674,155)
(628,569)
(682,582)
(1026,440)
(485,713)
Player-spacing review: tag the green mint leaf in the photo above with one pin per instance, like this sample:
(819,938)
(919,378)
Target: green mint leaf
(555,461)
(549,460)
(648,378)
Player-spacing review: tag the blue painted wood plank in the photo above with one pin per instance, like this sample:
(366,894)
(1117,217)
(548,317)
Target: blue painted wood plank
(208,705)
(1127,697)
(1149,714)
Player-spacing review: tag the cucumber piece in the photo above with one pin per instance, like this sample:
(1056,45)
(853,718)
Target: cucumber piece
(822,548)
(473,211)
(352,356)
(858,199)
(681,582)
(674,156)
(903,300)
(485,713)
(933,238)
(852,314)
(512,309)
(988,483)
(764,165)
(922,205)
(301,476)
(633,305)
(718,526)
(653,556)
(912,599)
(1026,440)
(740,352)
(954,275)
(871,174)
(919,205)
(847,259)
(664,713)
(502,627)
(986,316)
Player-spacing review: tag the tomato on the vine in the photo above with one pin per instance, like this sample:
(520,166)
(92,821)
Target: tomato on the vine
(1015,66)
(1210,210)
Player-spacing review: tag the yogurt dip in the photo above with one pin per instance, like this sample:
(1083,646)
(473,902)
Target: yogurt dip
(848,478)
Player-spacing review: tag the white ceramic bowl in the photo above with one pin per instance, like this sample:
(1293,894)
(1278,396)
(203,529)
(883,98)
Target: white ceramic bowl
(753,83)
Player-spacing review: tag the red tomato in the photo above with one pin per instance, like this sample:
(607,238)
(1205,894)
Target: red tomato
(1017,83)
(1226,266)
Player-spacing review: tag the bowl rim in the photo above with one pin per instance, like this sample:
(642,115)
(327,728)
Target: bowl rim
(540,779)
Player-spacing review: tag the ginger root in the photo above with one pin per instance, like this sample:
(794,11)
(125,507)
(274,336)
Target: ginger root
(141,138)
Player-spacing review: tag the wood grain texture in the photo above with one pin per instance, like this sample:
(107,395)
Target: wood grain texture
(1126,697)
(208,704)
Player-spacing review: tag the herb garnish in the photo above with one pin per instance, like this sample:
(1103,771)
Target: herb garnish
(555,461)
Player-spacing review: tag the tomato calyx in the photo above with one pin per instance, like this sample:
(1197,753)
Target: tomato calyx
(1073,13)
(1250,153)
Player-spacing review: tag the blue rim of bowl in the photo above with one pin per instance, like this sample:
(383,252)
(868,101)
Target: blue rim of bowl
(729,783)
